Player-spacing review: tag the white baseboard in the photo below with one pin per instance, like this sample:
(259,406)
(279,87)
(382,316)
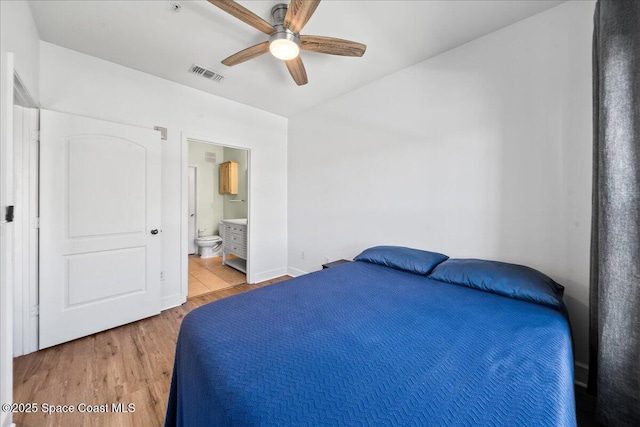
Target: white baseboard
(581,374)
(294,272)
(171,301)
(268,275)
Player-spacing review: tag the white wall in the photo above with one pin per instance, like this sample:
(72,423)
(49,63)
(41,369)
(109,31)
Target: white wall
(18,34)
(76,83)
(233,207)
(210,203)
(483,151)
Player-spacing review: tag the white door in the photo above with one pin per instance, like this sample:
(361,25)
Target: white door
(192,210)
(99,225)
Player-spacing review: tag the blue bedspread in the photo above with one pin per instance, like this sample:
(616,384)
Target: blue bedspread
(364,345)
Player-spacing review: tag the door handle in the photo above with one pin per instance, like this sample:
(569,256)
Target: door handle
(154,231)
(192,214)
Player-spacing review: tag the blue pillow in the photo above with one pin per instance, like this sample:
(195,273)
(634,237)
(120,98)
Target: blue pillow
(407,259)
(511,280)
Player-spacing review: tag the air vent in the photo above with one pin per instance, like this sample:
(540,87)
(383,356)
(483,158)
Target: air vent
(205,72)
(210,157)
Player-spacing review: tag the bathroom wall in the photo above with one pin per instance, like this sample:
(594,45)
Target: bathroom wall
(210,201)
(232,207)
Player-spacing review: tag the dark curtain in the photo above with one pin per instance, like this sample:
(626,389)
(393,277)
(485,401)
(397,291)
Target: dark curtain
(614,372)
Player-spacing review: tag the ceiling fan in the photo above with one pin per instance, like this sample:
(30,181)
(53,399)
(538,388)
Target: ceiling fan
(285,40)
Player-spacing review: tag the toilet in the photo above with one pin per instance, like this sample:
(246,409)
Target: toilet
(208,245)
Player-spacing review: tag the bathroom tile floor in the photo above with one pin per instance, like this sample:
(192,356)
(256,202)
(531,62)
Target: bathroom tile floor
(209,275)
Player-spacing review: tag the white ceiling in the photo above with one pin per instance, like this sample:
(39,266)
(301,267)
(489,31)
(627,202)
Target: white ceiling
(149,36)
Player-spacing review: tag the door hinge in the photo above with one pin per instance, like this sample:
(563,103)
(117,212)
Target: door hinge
(35,135)
(35,223)
(163,132)
(35,310)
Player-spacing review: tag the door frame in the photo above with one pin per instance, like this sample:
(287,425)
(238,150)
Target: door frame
(25,297)
(194,229)
(25,301)
(6,237)
(184,248)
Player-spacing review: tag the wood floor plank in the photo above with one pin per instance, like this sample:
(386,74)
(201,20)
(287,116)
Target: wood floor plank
(129,364)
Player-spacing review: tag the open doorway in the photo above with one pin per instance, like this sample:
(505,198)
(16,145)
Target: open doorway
(217,216)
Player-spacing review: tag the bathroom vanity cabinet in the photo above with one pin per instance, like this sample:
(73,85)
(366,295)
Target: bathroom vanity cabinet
(234,242)
(228,178)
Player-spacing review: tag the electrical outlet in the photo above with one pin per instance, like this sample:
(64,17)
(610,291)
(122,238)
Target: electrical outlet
(162,275)
(301,254)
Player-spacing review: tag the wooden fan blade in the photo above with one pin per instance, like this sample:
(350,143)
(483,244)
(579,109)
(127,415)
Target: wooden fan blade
(298,14)
(246,54)
(244,14)
(297,71)
(332,46)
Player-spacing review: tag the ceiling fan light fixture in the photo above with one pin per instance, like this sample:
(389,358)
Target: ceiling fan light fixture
(284,45)
(285,41)
(284,49)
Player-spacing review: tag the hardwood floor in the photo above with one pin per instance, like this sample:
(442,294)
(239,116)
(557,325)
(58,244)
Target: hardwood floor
(209,275)
(131,364)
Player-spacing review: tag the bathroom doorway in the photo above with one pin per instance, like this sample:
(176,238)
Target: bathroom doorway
(218,194)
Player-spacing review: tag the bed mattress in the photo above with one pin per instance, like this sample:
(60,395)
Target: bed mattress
(364,344)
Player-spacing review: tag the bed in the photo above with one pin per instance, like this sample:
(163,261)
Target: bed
(397,337)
